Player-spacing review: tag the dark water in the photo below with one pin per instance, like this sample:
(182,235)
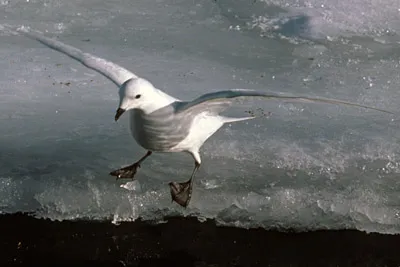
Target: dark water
(185,242)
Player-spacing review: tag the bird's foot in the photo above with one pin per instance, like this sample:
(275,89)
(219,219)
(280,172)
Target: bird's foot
(126,172)
(181,192)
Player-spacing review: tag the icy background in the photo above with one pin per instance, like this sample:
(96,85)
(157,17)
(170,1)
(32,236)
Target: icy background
(305,166)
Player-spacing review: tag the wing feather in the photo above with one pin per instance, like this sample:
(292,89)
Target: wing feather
(218,101)
(112,71)
(214,102)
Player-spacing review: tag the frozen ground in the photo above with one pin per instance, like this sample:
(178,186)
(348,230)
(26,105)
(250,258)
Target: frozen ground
(306,166)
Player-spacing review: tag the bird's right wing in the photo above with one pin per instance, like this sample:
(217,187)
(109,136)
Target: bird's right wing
(218,101)
(112,71)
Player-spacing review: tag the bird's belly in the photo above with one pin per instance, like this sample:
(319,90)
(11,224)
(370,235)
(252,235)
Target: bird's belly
(203,127)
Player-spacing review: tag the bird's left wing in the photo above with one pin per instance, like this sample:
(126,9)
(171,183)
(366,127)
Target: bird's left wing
(112,71)
(218,101)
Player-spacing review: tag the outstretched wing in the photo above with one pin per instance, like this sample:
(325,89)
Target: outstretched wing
(219,101)
(112,71)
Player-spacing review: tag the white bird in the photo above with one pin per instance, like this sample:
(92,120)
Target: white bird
(162,123)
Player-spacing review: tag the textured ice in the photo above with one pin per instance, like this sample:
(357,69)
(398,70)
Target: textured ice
(301,166)
(315,19)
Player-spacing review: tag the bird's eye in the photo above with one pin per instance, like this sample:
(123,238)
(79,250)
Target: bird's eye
(138,96)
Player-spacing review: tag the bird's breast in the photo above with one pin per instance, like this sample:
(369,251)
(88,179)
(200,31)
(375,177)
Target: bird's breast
(160,130)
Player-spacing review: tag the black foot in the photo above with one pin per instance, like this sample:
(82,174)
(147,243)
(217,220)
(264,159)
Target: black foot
(181,192)
(126,172)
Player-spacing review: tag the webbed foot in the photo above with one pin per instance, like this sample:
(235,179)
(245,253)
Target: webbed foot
(126,172)
(181,192)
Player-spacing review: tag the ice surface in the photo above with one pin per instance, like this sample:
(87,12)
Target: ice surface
(316,19)
(304,166)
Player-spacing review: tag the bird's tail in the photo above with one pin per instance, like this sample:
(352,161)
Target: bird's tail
(229,119)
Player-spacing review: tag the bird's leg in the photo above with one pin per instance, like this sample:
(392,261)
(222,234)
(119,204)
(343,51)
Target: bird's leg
(182,192)
(129,171)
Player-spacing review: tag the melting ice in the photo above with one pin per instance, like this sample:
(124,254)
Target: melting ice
(304,166)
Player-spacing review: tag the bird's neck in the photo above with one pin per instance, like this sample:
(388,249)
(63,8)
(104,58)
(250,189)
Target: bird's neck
(159,100)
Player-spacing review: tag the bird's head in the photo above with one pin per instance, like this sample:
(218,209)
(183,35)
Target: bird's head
(135,93)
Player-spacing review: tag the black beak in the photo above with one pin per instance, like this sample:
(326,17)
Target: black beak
(119,112)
